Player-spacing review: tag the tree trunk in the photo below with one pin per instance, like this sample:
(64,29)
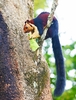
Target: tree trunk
(20,78)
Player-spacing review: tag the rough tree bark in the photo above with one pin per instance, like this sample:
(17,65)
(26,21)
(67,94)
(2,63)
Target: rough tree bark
(20,78)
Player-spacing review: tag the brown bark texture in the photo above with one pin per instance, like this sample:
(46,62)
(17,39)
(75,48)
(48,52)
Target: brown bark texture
(20,78)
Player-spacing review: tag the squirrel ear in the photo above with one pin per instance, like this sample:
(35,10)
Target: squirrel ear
(27,21)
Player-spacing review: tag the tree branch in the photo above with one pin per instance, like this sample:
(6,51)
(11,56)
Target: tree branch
(50,18)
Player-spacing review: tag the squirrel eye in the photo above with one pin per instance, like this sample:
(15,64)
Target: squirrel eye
(26,27)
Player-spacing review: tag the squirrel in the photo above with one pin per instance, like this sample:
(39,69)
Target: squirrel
(38,24)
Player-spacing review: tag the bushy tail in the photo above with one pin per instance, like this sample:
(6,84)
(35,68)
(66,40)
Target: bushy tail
(59,60)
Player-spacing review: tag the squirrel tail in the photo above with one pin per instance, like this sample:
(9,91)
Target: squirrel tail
(59,60)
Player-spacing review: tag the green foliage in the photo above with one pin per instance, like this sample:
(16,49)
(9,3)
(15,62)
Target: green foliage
(68,95)
(39,4)
(47,56)
(70,65)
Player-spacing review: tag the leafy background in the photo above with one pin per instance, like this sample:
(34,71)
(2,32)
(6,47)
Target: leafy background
(69,52)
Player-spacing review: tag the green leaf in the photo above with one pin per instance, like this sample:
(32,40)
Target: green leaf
(33,44)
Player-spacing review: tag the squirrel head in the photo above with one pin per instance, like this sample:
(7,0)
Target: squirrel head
(28,27)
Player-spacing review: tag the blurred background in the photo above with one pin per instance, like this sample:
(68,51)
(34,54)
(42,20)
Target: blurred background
(66,15)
